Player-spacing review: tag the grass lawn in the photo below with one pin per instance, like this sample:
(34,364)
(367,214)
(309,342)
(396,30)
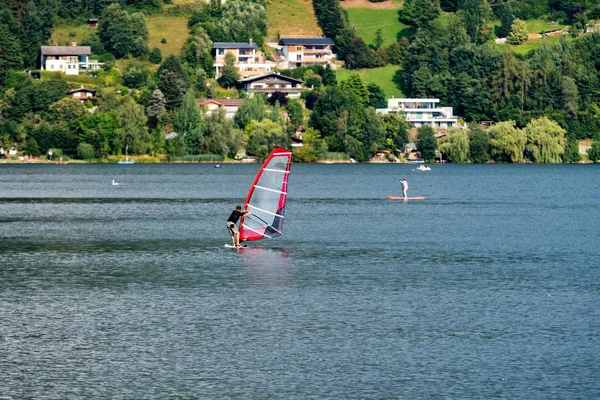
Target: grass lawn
(533,26)
(174,29)
(382,76)
(63,35)
(367,21)
(530,45)
(291,17)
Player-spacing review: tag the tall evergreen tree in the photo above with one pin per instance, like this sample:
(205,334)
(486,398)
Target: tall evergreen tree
(10,53)
(426,142)
(507,17)
(229,72)
(419,12)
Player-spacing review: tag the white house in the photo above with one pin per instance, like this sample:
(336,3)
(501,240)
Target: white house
(249,59)
(302,51)
(421,112)
(68,59)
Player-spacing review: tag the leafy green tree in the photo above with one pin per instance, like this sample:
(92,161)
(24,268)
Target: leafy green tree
(479,144)
(456,146)
(594,151)
(507,141)
(196,50)
(426,143)
(518,32)
(229,72)
(85,151)
(66,109)
(10,53)
(475,13)
(241,21)
(545,140)
(396,128)
(295,113)
(331,17)
(172,81)
(188,123)
(356,86)
(156,108)
(221,136)
(376,96)
(253,109)
(132,133)
(507,17)
(571,154)
(155,56)
(329,78)
(263,137)
(122,33)
(136,76)
(378,41)
(419,12)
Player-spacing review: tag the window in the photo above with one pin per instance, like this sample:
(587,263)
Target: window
(221,52)
(299,48)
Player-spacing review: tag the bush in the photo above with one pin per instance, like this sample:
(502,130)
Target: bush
(85,151)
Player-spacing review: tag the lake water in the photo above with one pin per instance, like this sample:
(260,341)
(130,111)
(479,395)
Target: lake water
(487,289)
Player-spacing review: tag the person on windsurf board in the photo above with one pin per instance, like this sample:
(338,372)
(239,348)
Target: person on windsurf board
(232,224)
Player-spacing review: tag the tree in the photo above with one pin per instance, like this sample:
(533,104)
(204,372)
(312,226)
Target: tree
(475,13)
(331,17)
(132,133)
(10,53)
(507,17)
(263,137)
(196,50)
(295,113)
(571,154)
(229,72)
(85,151)
(188,123)
(456,146)
(241,21)
(122,33)
(544,140)
(419,12)
(507,141)
(594,151)
(220,136)
(155,56)
(378,41)
(396,128)
(156,108)
(172,81)
(518,32)
(66,109)
(376,96)
(356,86)
(253,109)
(426,143)
(329,78)
(479,144)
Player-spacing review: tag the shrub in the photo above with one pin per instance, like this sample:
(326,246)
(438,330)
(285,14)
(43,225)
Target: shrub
(85,151)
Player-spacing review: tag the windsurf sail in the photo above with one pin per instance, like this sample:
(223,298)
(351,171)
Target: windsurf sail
(266,198)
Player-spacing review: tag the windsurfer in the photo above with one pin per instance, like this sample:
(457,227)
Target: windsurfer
(404,188)
(231,224)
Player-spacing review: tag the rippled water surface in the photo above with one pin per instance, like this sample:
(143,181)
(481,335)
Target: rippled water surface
(487,289)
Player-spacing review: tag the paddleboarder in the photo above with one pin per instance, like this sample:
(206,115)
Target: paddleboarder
(232,227)
(404,188)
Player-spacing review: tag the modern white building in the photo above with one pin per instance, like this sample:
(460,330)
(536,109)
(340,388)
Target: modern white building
(68,59)
(421,112)
(249,60)
(297,52)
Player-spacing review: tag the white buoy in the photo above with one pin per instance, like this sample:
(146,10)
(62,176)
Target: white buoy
(115,183)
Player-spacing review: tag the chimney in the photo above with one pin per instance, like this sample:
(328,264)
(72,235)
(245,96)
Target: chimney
(73,44)
(251,41)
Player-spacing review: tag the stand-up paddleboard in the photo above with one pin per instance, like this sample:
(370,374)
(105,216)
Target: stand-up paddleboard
(266,198)
(405,198)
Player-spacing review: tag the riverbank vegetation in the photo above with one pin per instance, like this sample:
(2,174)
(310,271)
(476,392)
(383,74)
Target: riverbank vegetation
(539,100)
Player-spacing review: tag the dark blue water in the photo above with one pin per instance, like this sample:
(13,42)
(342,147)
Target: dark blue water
(487,289)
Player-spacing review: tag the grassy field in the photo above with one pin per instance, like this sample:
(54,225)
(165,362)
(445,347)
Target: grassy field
(291,17)
(63,35)
(530,45)
(383,76)
(533,26)
(174,29)
(367,21)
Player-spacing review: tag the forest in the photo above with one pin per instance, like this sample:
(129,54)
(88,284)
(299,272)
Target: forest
(539,105)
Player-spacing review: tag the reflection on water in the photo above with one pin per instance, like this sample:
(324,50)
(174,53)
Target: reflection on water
(267,265)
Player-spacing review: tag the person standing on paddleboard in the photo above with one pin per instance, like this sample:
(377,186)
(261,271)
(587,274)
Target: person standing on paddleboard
(404,188)
(232,227)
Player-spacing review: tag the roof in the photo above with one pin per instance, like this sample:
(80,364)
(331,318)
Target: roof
(315,40)
(66,50)
(81,89)
(265,76)
(228,45)
(221,102)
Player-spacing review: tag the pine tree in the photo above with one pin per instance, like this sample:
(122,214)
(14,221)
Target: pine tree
(229,72)
(156,108)
(10,53)
(507,17)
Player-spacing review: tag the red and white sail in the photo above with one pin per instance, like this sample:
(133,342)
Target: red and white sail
(266,198)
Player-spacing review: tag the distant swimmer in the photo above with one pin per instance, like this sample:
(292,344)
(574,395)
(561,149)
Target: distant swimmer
(232,227)
(404,188)
(115,183)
